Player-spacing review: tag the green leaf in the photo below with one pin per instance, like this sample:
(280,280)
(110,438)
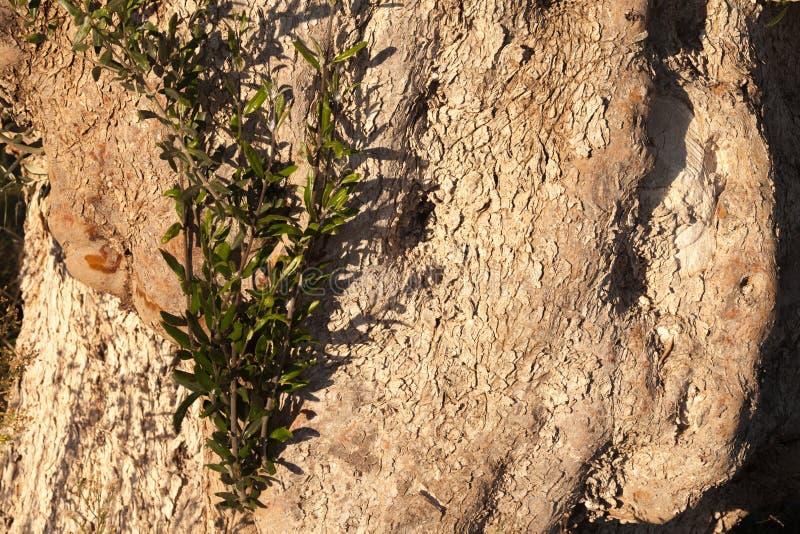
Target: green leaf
(269,466)
(221,451)
(339,198)
(180,337)
(254,160)
(173,320)
(81,34)
(350,52)
(292,267)
(140,59)
(236,333)
(145,114)
(308,55)
(351,178)
(174,264)
(283,229)
(223,250)
(180,413)
(35,38)
(219,468)
(270,317)
(227,496)
(281,434)
(291,375)
(172,26)
(70,7)
(252,428)
(211,408)
(204,379)
(256,102)
(326,114)
(219,422)
(171,232)
(308,194)
(197,330)
(187,380)
(287,171)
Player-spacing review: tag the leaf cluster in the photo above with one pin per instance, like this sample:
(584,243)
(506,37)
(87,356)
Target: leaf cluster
(37,20)
(242,329)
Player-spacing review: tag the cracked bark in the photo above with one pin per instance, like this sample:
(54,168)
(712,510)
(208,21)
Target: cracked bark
(561,297)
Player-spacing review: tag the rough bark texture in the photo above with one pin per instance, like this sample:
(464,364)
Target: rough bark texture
(562,289)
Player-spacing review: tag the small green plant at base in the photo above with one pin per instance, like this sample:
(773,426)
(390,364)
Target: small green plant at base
(245,341)
(91,502)
(11,366)
(15,146)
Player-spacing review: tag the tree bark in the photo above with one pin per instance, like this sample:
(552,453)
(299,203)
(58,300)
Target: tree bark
(560,301)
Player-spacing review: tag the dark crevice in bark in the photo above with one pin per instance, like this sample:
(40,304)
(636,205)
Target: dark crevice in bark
(488,501)
(676,25)
(770,482)
(768,485)
(626,282)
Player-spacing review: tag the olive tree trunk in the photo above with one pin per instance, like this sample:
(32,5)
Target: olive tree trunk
(570,295)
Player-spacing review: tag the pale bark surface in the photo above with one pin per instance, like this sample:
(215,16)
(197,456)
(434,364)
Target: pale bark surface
(562,289)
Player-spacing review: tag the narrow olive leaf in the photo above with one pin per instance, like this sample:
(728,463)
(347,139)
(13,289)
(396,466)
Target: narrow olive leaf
(254,160)
(145,114)
(96,73)
(287,171)
(292,267)
(140,59)
(174,264)
(270,317)
(339,198)
(283,229)
(269,466)
(256,102)
(173,320)
(326,194)
(35,38)
(81,34)
(288,377)
(220,450)
(180,337)
(171,232)
(252,428)
(187,380)
(180,412)
(172,26)
(204,379)
(308,193)
(209,410)
(350,52)
(70,7)
(197,331)
(219,468)
(281,434)
(308,55)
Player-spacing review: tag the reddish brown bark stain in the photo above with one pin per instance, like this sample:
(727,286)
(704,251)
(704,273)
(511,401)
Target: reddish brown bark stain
(146,301)
(106,262)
